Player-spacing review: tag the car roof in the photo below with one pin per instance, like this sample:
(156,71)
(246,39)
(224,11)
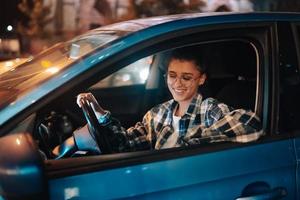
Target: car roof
(145,28)
(211,17)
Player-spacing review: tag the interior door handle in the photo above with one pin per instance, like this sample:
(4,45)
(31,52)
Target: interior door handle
(276,193)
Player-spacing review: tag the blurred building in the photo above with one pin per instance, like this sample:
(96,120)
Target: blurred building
(120,8)
(227,6)
(58,20)
(71,17)
(63,15)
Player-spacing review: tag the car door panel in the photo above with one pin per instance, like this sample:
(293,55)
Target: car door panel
(297,149)
(192,177)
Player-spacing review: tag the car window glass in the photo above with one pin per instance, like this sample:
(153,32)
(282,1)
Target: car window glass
(134,74)
(232,67)
(289,117)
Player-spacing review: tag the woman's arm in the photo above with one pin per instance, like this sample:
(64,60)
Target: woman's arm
(135,138)
(222,123)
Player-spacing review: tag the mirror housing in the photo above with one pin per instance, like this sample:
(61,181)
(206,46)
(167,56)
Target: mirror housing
(22,174)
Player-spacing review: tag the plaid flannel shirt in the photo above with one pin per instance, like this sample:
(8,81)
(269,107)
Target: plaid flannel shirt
(205,121)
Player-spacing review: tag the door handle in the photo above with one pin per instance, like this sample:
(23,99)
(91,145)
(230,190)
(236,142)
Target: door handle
(276,193)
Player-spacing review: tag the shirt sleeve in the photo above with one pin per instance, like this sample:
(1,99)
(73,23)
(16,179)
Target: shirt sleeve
(214,111)
(225,124)
(134,138)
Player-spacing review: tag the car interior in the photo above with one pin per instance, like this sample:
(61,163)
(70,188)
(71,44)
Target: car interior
(233,80)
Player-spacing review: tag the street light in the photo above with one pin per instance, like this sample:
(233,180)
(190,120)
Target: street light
(9,28)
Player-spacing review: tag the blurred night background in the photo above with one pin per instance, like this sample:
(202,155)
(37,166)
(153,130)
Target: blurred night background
(29,26)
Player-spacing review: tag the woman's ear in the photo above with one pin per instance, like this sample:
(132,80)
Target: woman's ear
(202,79)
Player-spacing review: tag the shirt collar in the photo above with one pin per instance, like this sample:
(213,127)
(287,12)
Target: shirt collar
(193,105)
(191,109)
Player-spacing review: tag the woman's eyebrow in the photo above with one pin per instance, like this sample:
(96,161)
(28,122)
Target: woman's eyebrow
(172,72)
(187,73)
(184,73)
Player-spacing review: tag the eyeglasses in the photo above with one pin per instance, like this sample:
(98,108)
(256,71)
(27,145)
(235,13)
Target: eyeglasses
(186,80)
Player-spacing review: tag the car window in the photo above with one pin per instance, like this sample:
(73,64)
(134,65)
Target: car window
(232,70)
(289,117)
(134,74)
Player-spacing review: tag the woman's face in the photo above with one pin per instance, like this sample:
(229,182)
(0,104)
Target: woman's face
(183,80)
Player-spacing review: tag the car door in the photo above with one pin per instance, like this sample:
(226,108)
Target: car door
(260,170)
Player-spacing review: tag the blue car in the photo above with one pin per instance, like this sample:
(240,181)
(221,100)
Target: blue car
(253,61)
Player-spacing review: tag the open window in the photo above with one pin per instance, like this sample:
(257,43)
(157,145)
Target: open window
(233,80)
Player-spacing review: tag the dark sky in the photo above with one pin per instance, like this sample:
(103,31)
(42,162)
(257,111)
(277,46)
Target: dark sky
(9,14)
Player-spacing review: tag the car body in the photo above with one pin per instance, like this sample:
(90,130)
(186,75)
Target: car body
(254,57)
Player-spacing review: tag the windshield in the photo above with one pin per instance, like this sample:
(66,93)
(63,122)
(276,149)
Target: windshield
(17,80)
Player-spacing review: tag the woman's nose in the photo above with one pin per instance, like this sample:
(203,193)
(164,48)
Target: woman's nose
(178,82)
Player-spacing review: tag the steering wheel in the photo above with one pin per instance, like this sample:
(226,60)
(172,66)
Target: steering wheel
(94,127)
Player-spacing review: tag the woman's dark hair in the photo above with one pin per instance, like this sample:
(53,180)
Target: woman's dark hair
(194,54)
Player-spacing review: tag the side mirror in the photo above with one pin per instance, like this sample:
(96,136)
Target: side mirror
(21,168)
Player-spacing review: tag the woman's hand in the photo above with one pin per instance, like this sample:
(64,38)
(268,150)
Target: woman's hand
(98,110)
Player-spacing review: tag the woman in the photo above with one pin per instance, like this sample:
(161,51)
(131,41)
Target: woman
(186,119)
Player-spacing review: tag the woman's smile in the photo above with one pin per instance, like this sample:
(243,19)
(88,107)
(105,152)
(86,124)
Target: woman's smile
(179,91)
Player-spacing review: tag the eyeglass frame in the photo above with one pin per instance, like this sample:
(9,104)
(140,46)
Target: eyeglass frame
(166,75)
